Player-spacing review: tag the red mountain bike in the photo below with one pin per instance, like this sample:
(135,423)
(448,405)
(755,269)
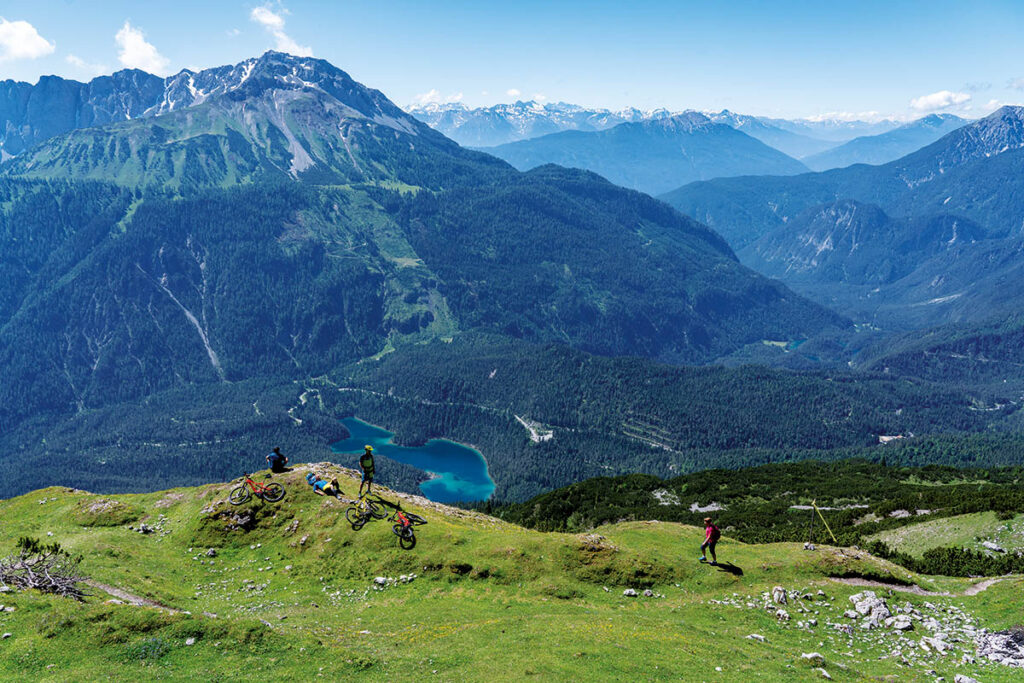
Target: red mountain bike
(271,493)
(403,527)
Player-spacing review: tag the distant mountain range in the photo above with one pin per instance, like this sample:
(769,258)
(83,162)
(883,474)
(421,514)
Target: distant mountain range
(503,123)
(653,156)
(886,147)
(932,237)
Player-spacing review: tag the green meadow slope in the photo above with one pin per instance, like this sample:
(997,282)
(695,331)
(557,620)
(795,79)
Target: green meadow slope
(290,590)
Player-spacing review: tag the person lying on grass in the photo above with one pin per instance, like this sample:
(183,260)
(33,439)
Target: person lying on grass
(322,487)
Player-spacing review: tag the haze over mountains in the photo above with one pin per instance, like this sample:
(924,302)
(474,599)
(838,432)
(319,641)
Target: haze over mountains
(656,155)
(936,234)
(885,147)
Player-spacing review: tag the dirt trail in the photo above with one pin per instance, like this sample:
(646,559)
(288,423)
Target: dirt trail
(129,598)
(917,590)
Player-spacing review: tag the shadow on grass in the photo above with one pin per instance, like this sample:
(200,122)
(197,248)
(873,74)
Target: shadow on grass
(730,568)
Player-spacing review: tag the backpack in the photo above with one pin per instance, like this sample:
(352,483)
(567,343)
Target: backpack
(716,533)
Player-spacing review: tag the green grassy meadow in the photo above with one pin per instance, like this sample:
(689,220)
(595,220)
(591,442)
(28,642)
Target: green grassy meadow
(294,596)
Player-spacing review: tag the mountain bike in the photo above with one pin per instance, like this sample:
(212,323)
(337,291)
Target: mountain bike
(403,527)
(271,492)
(365,509)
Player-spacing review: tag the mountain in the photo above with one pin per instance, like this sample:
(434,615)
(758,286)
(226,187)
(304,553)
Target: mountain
(833,129)
(943,237)
(30,114)
(503,123)
(269,118)
(969,172)
(886,147)
(656,155)
(290,221)
(794,144)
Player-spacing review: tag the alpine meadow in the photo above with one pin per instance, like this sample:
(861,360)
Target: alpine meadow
(600,343)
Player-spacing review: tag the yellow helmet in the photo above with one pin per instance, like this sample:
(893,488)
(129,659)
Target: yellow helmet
(368,447)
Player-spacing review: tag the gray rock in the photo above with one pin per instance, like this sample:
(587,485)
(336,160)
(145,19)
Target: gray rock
(779,595)
(757,637)
(782,615)
(814,658)
(629,593)
(960,678)
(6,636)
(212,552)
(190,641)
(824,674)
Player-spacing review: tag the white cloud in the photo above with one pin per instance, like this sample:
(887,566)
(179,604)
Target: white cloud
(232,32)
(1017,83)
(433,96)
(136,53)
(263,15)
(512,92)
(21,40)
(539,97)
(84,66)
(943,99)
(273,22)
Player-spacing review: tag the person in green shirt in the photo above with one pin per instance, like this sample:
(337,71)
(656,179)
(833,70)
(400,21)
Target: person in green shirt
(366,463)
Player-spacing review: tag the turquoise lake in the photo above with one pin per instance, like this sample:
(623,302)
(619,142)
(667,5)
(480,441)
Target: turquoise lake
(460,472)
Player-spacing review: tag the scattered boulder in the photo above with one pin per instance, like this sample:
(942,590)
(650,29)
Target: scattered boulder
(629,593)
(782,615)
(779,595)
(212,552)
(960,678)
(993,546)
(6,636)
(824,674)
(190,641)
(759,638)
(814,658)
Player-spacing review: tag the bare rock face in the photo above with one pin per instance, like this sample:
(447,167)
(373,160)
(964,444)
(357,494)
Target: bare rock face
(1003,647)
(779,595)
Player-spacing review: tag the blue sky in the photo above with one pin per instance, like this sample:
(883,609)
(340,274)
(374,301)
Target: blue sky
(778,58)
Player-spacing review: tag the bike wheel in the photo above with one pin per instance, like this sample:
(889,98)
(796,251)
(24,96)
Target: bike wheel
(272,493)
(415,519)
(354,517)
(376,510)
(407,542)
(239,495)
(402,531)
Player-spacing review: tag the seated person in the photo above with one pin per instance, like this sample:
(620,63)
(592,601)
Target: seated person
(322,487)
(277,460)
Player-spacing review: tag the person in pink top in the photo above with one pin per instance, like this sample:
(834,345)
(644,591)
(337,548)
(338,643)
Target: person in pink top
(711,535)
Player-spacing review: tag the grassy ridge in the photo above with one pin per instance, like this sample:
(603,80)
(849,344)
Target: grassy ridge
(491,600)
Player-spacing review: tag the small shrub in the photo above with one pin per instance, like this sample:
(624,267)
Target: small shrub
(149,650)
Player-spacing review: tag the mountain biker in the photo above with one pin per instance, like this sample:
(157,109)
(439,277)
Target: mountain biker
(277,460)
(711,535)
(322,487)
(366,463)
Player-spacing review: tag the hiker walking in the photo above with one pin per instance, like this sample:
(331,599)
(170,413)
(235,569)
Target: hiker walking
(366,463)
(711,535)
